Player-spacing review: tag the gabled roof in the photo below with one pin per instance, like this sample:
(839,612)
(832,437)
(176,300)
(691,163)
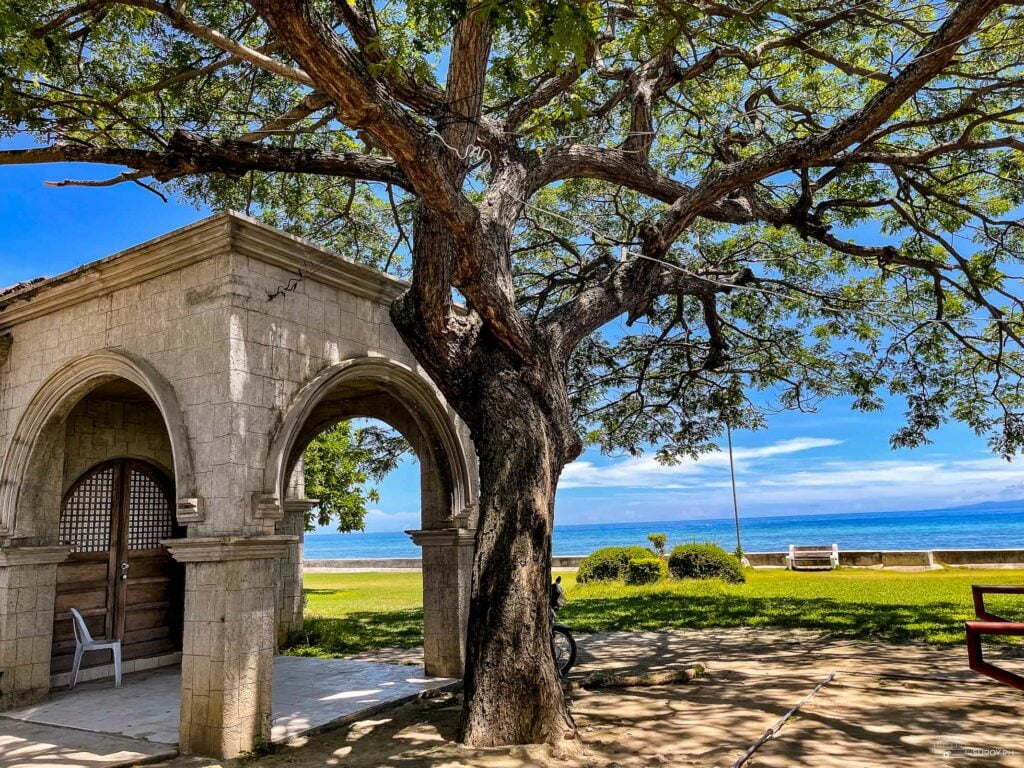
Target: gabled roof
(215,235)
(20,286)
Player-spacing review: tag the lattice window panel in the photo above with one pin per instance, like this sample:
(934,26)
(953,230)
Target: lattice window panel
(85,519)
(150,516)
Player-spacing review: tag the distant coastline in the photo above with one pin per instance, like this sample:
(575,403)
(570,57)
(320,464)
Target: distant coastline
(978,526)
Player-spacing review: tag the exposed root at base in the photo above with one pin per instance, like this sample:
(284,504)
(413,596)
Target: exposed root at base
(615,679)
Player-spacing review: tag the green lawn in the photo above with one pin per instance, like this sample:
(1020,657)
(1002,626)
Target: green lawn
(352,612)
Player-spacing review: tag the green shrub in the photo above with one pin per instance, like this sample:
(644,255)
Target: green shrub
(658,541)
(609,563)
(644,570)
(704,561)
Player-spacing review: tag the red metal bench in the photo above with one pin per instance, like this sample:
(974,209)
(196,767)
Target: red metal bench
(991,624)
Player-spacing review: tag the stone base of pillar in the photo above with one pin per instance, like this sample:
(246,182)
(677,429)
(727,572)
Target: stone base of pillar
(447,579)
(228,644)
(28,584)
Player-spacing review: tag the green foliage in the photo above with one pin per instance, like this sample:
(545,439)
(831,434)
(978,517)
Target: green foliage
(338,465)
(704,561)
(935,320)
(645,570)
(609,563)
(658,541)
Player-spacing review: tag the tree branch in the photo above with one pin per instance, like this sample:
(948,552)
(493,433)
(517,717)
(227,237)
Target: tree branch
(188,154)
(405,87)
(364,104)
(804,152)
(218,39)
(309,105)
(578,161)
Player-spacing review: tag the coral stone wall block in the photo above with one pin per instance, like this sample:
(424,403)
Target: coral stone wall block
(98,430)
(28,581)
(447,567)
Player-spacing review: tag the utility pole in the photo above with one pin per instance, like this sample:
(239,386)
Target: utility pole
(735,501)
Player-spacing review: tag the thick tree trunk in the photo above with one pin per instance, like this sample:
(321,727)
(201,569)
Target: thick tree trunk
(520,421)
(513,694)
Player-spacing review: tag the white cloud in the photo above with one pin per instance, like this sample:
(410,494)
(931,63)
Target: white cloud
(920,475)
(803,485)
(796,445)
(647,472)
(383,520)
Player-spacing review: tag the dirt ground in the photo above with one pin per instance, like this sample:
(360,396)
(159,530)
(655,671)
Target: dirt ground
(888,705)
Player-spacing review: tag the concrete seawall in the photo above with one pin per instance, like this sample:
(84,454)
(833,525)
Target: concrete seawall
(878,558)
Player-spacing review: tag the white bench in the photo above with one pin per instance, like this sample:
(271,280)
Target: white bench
(819,556)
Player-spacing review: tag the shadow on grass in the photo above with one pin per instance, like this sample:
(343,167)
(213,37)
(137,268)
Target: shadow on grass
(327,636)
(934,622)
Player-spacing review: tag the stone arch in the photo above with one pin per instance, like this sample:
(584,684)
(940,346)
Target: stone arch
(56,398)
(420,403)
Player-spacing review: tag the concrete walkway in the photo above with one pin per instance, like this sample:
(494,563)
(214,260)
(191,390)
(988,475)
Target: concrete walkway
(25,744)
(98,724)
(889,706)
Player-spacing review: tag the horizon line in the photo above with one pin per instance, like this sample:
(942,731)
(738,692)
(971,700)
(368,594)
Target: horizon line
(319,532)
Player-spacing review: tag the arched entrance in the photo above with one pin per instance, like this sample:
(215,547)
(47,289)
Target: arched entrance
(378,388)
(387,391)
(118,576)
(95,420)
(38,437)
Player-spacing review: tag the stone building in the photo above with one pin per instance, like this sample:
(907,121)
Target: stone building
(153,409)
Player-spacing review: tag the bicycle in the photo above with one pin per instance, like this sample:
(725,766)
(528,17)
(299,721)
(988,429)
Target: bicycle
(563,644)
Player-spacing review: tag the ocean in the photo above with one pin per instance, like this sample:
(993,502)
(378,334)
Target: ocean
(977,527)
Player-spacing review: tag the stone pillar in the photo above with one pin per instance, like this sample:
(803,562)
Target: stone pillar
(447,578)
(228,645)
(28,584)
(289,594)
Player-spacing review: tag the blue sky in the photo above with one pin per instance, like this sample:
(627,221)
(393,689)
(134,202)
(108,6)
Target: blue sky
(835,460)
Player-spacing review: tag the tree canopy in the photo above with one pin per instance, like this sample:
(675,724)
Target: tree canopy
(338,467)
(830,191)
(884,264)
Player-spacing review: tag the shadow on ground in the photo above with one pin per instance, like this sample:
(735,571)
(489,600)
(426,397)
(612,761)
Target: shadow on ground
(324,636)
(888,706)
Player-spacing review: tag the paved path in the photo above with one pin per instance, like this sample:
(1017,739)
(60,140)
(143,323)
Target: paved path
(98,724)
(35,745)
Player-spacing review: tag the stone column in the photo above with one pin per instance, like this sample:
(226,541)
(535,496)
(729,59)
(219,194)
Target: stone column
(28,585)
(228,645)
(447,578)
(289,593)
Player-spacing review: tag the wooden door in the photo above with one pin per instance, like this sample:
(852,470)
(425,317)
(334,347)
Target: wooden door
(119,577)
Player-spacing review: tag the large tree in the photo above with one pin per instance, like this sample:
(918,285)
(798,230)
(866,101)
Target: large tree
(788,198)
(338,467)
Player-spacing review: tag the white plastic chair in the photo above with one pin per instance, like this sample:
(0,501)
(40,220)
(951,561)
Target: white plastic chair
(85,642)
